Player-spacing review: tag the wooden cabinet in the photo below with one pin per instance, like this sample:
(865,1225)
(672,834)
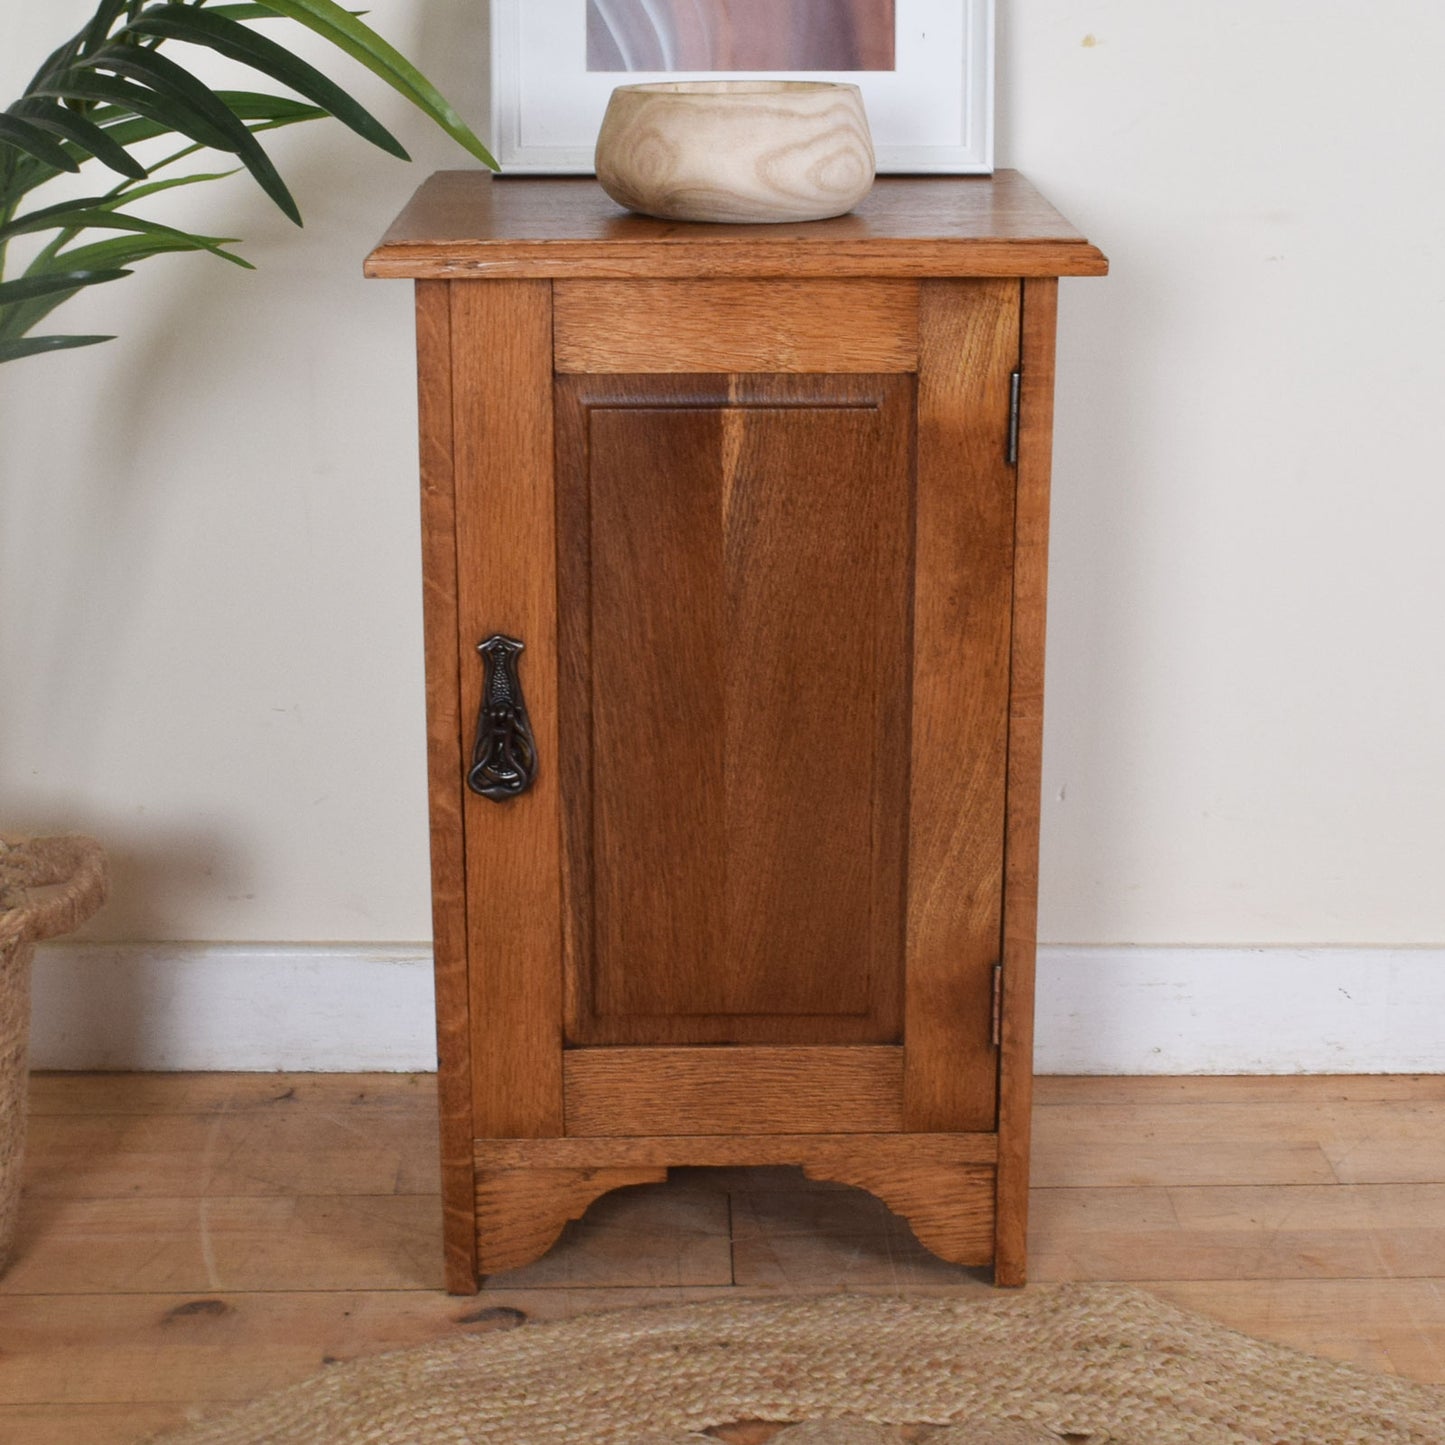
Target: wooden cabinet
(751,877)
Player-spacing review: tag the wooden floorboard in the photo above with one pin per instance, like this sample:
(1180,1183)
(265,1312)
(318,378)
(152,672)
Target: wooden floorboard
(93,1424)
(188,1242)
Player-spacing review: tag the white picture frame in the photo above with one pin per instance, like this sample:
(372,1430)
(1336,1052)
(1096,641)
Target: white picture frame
(932,113)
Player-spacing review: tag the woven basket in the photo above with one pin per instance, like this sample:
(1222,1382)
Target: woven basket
(48,886)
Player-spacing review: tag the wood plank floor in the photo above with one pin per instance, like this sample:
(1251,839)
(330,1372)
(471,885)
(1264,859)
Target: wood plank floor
(190,1241)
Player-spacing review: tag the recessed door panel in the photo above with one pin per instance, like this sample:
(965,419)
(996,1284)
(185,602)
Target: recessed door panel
(735,574)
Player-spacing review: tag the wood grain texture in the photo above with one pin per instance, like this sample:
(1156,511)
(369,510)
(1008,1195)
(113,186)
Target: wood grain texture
(735,559)
(736,326)
(968,346)
(502,444)
(791,1237)
(736,151)
(781,663)
(99,1096)
(622,1091)
(1327,1231)
(228,1242)
(1258,1141)
(94,1348)
(521,1212)
(104,1424)
(140,1351)
(1025,770)
(352,1148)
(676,1234)
(949,1207)
(445,767)
(1413,1092)
(462,223)
(943,1185)
(1393,1326)
(818,1154)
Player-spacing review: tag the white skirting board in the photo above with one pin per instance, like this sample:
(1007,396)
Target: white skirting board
(328,1007)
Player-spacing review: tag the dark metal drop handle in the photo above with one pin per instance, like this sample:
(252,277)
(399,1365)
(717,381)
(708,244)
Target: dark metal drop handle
(504,757)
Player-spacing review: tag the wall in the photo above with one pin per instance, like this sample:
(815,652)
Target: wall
(211,617)
(1246,686)
(209,622)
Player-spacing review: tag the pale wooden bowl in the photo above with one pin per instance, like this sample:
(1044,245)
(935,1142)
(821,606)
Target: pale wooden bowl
(736,150)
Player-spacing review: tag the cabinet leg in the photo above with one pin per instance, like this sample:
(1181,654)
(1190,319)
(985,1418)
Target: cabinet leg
(948,1206)
(521,1211)
(943,1185)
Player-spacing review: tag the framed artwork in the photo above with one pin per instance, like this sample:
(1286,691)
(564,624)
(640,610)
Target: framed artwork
(925,68)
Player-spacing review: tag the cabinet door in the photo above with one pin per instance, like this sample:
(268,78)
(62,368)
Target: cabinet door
(769,682)
(784,618)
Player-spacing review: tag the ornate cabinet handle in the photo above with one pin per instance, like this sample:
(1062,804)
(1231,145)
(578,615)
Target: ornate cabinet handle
(504,757)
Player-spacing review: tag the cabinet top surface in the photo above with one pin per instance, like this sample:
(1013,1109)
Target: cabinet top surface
(464,224)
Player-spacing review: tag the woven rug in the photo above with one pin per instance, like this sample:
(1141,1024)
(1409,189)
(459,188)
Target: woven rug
(1091,1363)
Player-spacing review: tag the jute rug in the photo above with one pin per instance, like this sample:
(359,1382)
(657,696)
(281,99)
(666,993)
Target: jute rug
(1093,1363)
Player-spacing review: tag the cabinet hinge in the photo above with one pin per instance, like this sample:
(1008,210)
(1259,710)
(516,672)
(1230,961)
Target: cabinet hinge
(997,1005)
(1015,389)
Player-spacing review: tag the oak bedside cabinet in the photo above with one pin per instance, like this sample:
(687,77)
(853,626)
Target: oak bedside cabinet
(735,543)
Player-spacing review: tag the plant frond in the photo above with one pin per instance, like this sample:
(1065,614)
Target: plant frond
(31,140)
(109,89)
(236,42)
(362,43)
(23,346)
(85,137)
(28,288)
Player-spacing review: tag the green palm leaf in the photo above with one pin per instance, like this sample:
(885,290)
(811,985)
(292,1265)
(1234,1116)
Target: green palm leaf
(123,195)
(127,128)
(75,218)
(167,114)
(235,42)
(127,249)
(115,254)
(29,138)
(210,120)
(359,41)
(26,302)
(109,89)
(106,14)
(243,12)
(41,219)
(34,345)
(28,288)
(274,109)
(85,136)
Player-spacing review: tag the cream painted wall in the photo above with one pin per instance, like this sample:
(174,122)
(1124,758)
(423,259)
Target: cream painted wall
(1246,716)
(209,623)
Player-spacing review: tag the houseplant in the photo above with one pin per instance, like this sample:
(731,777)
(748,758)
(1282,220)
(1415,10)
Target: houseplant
(112,99)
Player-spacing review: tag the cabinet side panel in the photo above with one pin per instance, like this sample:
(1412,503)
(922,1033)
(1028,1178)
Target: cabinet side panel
(968,348)
(1026,709)
(444,771)
(507,582)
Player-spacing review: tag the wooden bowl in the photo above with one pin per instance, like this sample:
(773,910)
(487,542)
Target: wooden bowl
(736,150)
